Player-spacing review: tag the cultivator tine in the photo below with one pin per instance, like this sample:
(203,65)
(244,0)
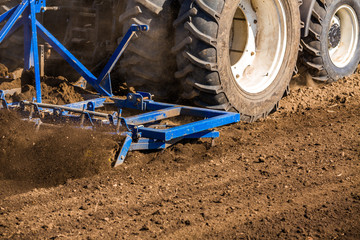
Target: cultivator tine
(3,101)
(124,150)
(13,17)
(38,123)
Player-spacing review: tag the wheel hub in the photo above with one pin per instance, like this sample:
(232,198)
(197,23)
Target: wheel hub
(257,44)
(334,35)
(343,36)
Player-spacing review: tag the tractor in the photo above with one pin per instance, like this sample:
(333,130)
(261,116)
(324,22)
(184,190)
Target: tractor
(232,55)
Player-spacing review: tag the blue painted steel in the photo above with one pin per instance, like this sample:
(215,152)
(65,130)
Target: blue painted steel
(16,26)
(14,17)
(91,105)
(124,150)
(34,49)
(187,129)
(71,59)
(7,15)
(141,131)
(138,136)
(11,26)
(28,52)
(213,118)
(153,116)
(135,101)
(3,101)
(151,138)
(101,84)
(148,144)
(39,5)
(25,14)
(153,144)
(204,134)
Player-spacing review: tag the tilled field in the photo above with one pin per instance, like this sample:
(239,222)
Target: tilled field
(293,175)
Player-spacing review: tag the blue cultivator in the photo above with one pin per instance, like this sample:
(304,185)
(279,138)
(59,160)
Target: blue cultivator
(142,132)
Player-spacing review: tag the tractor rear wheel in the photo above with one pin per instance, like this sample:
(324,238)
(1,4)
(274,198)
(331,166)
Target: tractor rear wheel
(332,49)
(148,64)
(237,55)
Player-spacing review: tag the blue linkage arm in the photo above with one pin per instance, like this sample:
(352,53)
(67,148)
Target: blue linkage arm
(101,84)
(104,90)
(35,50)
(7,14)
(120,50)
(14,17)
(71,59)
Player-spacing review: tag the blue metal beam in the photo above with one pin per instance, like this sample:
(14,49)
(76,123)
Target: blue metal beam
(35,50)
(187,129)
(28,51)
(70,58)
(124,150)
(7,14)
(119,51)
(16,26)
(153,116)
(14,17)
(152,144)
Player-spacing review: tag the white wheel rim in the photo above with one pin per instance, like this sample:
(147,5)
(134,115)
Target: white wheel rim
(342,54)
(258,43)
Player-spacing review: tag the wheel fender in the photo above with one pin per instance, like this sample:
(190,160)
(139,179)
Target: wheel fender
(305,13)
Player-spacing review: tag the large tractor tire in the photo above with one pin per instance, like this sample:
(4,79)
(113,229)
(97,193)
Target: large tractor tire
(87,28)
(237,55)
(332,49)
(148,64)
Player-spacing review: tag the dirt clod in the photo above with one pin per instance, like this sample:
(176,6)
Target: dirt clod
(55,90)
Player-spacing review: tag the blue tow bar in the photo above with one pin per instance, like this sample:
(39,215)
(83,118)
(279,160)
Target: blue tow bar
(142,132)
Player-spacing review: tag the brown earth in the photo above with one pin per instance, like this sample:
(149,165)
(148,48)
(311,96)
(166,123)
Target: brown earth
(50,156)
(55,90)
(294,175)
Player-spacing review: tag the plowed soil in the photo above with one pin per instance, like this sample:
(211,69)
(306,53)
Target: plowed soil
(294,175)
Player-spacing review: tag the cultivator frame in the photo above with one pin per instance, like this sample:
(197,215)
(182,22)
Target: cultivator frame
(142,132)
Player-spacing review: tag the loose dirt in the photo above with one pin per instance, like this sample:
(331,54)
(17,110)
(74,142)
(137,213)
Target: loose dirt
(294,175)
(55,90)
(50,156)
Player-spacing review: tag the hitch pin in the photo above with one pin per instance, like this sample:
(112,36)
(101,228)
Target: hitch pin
(55,8)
